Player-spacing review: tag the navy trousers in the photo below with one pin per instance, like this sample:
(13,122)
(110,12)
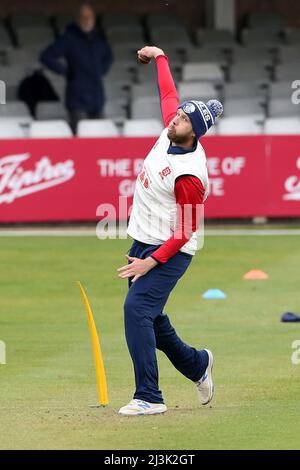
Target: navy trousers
(147,327)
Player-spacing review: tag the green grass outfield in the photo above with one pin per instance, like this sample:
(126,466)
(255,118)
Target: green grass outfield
(48,383)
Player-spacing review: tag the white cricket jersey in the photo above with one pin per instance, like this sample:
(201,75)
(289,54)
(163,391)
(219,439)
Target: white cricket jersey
(154,213)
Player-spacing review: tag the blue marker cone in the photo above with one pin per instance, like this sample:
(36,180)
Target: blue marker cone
(214,294)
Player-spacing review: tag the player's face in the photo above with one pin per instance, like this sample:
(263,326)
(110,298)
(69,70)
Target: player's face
(180,129)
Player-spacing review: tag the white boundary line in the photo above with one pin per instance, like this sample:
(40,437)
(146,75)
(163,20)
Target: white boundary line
(48,232)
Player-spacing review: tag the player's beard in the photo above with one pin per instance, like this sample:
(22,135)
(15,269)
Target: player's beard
(178,139)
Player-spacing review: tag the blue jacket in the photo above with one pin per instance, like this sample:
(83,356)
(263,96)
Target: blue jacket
(87,58)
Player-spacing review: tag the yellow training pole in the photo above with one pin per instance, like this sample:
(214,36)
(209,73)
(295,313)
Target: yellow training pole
(100,371)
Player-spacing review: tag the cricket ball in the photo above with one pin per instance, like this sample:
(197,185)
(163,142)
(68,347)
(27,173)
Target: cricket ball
(144,59)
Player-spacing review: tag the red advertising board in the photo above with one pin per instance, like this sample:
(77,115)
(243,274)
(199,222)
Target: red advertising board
(237,174)
(283,157)
(67,179)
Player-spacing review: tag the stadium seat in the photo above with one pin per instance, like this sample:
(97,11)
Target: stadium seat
(252,54)
(27,57)
(117,90)
(249,71)
(207,72)
(11,93)
(283,107)
(287,72)
(5,40)
(286,54)
(59,86)
(223,38)
(22,121)
(293,36)
(260,36)
(173,37)
(280,90)
(97,128)
(58,82)
(281,126)
(147,73)
(124,53)
(242,125)
(142,128)
(10,130)
(197,91)
(267,20)
(178,46)
(13,75)
(50,129)
(4,55)
(14,109)
(140,90)
(118,71)
(50,110)
(41,36)
(130,37)
(242,89)
(243,107)
(147,107)
(206,54)
(116,110)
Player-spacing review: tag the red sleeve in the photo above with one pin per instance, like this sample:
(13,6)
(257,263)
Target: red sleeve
(188,190)
(169,100)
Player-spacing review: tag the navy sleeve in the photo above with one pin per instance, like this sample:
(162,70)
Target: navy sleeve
(51,55)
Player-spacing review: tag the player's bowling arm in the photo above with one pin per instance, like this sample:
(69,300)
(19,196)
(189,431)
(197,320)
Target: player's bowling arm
(169,100)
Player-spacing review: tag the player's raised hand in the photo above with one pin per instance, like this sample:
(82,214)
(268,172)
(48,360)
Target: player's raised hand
(149,52)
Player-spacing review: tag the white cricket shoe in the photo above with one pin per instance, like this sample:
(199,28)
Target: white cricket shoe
(205,386)
(140,407)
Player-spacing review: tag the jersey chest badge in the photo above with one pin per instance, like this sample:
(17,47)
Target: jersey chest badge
(165,172)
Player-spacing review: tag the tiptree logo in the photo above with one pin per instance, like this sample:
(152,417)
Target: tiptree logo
(2,352)
(2,92)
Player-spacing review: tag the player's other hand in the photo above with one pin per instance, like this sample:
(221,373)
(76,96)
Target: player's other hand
(137,267)
(150,51)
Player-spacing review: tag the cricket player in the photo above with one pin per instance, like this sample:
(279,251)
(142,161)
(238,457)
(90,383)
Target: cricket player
(174,176)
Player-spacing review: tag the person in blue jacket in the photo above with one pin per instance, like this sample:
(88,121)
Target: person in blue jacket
(87,57)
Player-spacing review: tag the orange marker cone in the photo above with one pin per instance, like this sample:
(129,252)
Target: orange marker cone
(256,274)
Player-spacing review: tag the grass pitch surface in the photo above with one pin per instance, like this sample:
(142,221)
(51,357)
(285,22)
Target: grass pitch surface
(48,381)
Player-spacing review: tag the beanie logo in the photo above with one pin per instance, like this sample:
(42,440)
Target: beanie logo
(189,108)
(205,112)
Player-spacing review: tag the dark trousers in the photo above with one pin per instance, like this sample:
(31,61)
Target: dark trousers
(148,328)
(76,115)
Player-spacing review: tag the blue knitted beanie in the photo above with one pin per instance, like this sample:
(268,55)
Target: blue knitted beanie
(202,115)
